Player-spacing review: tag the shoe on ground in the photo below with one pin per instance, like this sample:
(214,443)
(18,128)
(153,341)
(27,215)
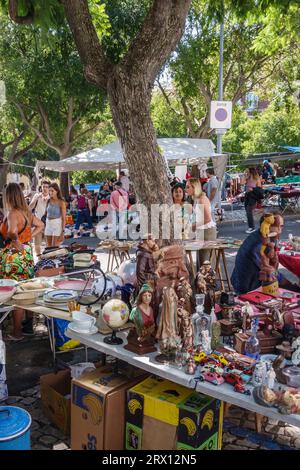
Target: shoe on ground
(14,339)
(250,230)
(28,332)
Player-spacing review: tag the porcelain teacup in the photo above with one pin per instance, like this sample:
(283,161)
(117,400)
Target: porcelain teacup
(82,321)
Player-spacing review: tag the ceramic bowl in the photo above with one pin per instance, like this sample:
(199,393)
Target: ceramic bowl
(25,298)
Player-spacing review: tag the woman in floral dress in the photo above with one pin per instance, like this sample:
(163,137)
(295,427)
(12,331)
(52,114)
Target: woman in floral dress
(16,259)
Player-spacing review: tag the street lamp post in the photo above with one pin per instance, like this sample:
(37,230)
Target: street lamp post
(220,132)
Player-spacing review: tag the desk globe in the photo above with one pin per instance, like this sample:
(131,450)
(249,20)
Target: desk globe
(115,314)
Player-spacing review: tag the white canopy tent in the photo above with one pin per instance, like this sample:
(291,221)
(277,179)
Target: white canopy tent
(177,151)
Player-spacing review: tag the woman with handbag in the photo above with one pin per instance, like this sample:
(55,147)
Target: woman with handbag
(16,259)
(55,217)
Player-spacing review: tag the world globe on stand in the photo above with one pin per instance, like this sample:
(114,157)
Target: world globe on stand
(115,313)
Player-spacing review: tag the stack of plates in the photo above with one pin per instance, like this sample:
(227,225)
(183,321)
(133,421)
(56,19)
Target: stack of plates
(59,296)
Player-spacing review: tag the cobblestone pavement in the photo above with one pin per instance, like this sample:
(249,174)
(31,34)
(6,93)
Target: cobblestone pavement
(239,429)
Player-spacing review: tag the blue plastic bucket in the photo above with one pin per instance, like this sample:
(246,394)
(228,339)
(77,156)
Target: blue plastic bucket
(14,428)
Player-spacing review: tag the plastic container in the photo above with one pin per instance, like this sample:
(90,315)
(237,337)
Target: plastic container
(292,375)
(14,428)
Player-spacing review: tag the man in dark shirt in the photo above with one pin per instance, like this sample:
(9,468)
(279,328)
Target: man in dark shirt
(245,275)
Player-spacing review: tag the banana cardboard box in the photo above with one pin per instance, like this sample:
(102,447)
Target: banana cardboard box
(98,409)
(162,415)
(56,398)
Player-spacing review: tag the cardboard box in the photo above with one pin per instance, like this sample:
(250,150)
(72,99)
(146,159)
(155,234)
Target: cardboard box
(98,409)
(56,398)
(162,415)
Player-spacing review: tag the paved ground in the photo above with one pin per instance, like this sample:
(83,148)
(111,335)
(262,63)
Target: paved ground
(28,360)
(239,429)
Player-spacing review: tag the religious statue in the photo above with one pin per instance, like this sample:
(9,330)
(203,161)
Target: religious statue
(280,362)
(270,378)
(208,276)
(265,226)
(185,292)
(185,326)
(268,270)
(296,353)
(191,366)
(141,338)
(167,331)
(269,258)
(247,313)
(145,262)
(171,267)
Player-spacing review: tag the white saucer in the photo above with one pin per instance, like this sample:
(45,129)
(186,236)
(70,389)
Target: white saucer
(92,331)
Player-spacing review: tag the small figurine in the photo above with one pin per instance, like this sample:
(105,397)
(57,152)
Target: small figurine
(270,378)
(185,292)
(200,284)
(191,366)
(185,326)
(280,362)
(208,275)
(206,341)
(247,312)
(296,353)
(142,339)
(145,267)
(267,222)
(268,272)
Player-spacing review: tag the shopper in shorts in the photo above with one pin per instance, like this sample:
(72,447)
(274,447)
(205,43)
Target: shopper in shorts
(38,207)
(55,217)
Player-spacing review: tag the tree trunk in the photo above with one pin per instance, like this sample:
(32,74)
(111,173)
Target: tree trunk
(130,105)
(4,170)
(64,185)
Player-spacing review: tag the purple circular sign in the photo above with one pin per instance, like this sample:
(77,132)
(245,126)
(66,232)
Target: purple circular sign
(221,114)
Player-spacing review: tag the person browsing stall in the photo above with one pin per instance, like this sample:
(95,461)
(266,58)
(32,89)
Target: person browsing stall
(38,207)
(208,226)
(55,217)
(16,259)
(245,275)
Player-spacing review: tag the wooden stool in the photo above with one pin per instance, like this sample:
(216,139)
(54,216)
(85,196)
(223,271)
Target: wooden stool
(219,254)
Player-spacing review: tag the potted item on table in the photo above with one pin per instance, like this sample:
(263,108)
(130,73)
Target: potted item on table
(167,330)
(141,337)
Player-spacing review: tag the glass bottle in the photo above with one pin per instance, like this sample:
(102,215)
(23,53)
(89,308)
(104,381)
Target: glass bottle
(252,347)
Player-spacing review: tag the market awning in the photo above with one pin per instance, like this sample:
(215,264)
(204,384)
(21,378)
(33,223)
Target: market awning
(293,149)
(177,151)
(276,156)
